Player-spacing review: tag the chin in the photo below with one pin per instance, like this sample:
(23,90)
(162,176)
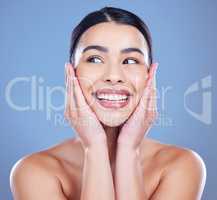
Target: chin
(112,121)
(112,118)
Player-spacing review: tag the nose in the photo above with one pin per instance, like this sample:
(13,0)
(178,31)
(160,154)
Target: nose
(113,75)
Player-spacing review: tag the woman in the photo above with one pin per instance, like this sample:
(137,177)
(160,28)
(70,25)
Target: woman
(111,104)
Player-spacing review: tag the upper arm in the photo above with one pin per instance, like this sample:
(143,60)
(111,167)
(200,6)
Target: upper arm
(184,179)
(31,181)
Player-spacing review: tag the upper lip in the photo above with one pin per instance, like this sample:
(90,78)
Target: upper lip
(113,91)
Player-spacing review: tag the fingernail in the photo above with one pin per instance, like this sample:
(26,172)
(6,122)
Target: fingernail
(157,64)
(155,71)
(68,69)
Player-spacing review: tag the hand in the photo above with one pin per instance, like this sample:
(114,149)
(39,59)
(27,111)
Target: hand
(79,114)
(134,129)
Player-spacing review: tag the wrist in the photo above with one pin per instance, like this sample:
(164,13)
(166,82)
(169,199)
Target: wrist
(129,143)
(97,147)
(96,153)
(94,143)
(128,148)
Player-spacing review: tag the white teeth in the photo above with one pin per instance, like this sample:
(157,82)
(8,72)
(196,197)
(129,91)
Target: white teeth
(112,97)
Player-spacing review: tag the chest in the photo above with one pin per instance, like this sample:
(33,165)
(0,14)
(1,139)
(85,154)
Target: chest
(72,179)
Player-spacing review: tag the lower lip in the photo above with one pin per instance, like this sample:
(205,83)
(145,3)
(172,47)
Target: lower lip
(113,104)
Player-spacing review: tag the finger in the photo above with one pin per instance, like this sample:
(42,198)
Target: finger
(151,84)
(145,97)
(65,74)
(151,112)
(67,87)
(77,91)
(144,112)
(152,74)
(147,94)
(70,102)
(81,102)
(151,109)
(139,112)
(75,104)
(152,104)
(67,95)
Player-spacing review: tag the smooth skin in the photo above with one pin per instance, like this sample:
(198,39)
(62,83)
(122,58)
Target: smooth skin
(111,157)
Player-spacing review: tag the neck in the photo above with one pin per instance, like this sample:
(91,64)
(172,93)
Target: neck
(112,136)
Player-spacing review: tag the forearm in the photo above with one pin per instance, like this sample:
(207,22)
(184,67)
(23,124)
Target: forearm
(128,175)
(97,181)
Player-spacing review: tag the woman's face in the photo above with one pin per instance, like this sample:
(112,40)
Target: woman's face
(111,62)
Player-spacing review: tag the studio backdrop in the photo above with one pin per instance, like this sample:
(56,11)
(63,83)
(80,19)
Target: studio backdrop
(34,46)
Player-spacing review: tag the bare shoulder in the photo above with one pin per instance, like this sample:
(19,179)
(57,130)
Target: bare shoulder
(181,157)
(172,155)
(39,173)
(33,176)
(38,162)
(182,168)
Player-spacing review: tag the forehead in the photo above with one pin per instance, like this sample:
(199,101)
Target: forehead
(114,36)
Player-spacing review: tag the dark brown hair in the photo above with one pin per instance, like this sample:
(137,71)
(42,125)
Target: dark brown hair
(108,14)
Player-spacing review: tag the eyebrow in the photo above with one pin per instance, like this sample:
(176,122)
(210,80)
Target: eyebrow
(105,50)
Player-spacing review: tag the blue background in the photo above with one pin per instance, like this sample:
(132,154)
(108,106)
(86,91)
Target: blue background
(34,41)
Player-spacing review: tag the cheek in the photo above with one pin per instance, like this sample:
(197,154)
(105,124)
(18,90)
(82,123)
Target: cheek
(87,71)
(86,79)
(137,77)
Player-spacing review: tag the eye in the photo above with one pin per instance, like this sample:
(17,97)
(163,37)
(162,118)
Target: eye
(92,58)
(135,61)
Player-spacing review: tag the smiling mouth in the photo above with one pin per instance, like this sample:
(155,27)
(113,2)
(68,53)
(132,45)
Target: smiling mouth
(112,101)
(112,97)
